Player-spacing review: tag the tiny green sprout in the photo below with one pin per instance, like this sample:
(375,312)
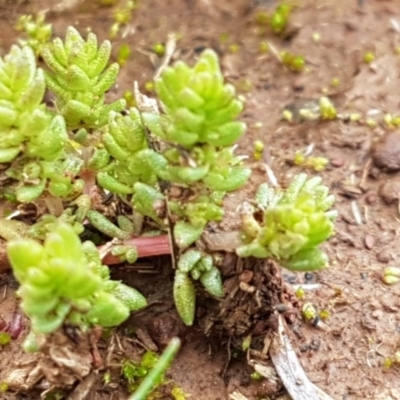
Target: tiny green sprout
(246,343)
(244,85)
(258,150)
(177,393)
(123,15)
(149,86)
(262,18)
(315,163)
(355,117)
(391,275)
(5,338)
(234,48)
(114,30)
(263,47)
(295,63)
(159,49)
(223,38)
(107,3)
(391,121)
(106,377)
(300,293)
(327,109)
(369,57)
(124,53)
(324,314)
(3,387)
(155,376)
(371,123)
(309,312)
(38,31)
(287,115)
(129,98)
(388,120)
(280,18)
(335,82)
(256,376)
(388,362)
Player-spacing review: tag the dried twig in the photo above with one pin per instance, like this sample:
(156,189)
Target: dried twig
(290,370)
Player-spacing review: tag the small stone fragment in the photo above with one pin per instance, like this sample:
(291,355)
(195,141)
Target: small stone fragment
(371,198)
(298,84)
(386,152)
(246,276)
(369,242)
(337,162)
(390,191)
(384,257)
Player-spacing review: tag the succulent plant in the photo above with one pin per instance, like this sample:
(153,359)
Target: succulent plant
(79,79)
(64,280)
(294,223)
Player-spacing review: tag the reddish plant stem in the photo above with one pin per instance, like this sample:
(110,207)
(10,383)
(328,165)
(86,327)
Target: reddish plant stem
(146,247)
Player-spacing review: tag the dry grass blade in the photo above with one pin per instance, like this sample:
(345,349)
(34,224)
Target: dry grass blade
(237,396)
(290,370)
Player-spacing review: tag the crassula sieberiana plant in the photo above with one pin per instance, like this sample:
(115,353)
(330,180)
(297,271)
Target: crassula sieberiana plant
(79,77)
(199,130)
(64,281)
(294,223)
(171,168)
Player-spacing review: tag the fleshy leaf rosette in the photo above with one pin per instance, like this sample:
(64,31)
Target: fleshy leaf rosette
(64,280)
(199,107)
(24,120)
(32,138)
(294,223)
(131,160)
(79,78)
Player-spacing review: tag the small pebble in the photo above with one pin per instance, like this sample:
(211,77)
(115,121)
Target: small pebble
(384,257)
(386,152)
(246,276)
(390,191)
(308,276)
(315,344)
(369,242)
(371,198)
(298,84)
(337,162)
(290,278)
(303,348)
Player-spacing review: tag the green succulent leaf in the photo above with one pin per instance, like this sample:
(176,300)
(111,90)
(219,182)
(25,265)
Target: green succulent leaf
(184,297)
(186,234)
(212,282)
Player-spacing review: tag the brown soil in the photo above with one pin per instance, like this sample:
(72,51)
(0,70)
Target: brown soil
(346,358)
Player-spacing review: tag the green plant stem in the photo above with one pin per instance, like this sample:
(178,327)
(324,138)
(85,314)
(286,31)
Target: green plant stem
(158,370)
